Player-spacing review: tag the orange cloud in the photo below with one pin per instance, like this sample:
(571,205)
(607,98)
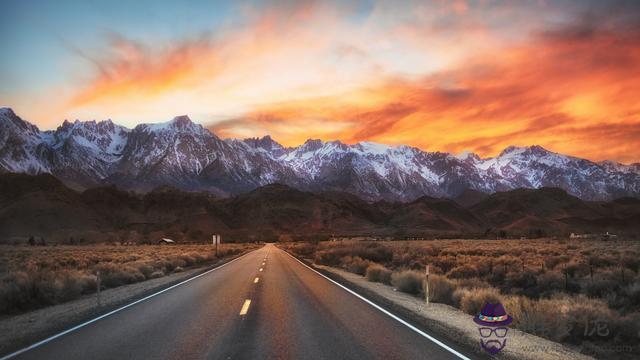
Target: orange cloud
(136,71)
(573,90)
(442,75)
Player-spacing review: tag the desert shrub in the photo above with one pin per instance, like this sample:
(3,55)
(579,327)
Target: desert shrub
(187,259)
(552,261)
(463,272)
(542,318)
(446,263)
(326,257)
(23,290)
(117,274)
(471,301)
(632,291)
(631,262)
(156,274)
(378,273)
(408,281)
(146,270)
(550,283)
(599,287)
(178,269)
(441,289)
(586,317)
(472,283)
(355,265)
(601,260)
(576,269)
(523,282)
(15,292)
(304,249)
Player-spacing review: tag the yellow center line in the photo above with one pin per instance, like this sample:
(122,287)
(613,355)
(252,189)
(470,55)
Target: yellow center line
(255,281)
(245,307)
(260,269)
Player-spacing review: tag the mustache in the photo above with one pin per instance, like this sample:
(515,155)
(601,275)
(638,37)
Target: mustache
(493,344)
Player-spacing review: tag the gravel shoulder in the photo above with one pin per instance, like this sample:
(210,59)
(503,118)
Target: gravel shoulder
(22,330)
(449,322)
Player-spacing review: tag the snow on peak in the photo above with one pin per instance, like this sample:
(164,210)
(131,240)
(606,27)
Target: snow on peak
(180,123)
(467,155)
(372,147)
(7,111)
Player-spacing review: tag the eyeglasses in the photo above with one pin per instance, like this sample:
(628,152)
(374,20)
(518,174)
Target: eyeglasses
(487,331)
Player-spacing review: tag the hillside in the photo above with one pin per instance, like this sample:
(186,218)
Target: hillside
(42,206)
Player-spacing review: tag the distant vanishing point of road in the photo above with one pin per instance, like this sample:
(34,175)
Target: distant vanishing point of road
(264,305)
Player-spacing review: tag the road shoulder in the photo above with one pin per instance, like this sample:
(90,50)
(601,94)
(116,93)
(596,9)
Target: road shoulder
(446,321)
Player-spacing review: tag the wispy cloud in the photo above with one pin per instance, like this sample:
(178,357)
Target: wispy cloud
(439,75)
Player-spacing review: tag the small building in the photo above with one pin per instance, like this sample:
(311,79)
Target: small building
(580,236)
(165,241)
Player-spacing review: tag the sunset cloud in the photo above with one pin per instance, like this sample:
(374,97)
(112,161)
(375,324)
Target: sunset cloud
(442,75)
(573,90)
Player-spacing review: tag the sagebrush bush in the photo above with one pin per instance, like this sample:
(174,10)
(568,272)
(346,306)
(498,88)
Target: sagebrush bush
(378,273)
(408,281)
(546,318)
(472,300)
(441,289)
(355,265)
(463,272)
(549,283)
(599,287)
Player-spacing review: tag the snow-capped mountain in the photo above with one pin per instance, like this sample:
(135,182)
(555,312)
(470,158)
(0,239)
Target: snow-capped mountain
(185,155)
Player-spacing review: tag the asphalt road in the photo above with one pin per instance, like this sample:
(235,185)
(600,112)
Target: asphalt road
(290,312)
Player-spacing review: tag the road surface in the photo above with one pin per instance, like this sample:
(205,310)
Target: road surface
(264,305)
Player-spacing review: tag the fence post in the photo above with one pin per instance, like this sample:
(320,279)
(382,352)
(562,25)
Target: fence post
(566,278)
(98,281)
(427,285)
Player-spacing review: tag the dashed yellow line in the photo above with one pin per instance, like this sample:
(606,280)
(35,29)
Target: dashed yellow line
(245,307)
(255,281)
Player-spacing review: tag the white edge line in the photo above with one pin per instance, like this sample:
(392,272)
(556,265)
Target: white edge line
(51,338)
(436,341)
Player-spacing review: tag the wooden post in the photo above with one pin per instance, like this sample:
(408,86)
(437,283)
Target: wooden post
(566,277)
(98,281)
(427,285)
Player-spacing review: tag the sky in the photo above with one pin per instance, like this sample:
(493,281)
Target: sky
(448,76)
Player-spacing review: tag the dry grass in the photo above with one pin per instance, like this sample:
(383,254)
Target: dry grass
(32,277)
(559,289)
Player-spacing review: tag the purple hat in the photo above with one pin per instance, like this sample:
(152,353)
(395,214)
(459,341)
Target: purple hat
(493,315)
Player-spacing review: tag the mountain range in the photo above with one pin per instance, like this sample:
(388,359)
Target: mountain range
(189,157)
(41,205)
